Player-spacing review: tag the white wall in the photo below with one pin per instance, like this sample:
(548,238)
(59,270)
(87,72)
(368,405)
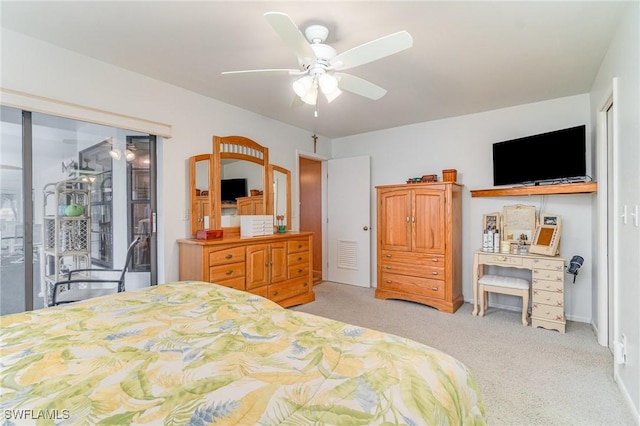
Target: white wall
(623,63)
(465,143)
(38,68)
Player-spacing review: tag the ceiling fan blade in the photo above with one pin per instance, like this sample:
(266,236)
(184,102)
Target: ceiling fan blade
(359,86)
(267,71)
(289,32)
(373,50)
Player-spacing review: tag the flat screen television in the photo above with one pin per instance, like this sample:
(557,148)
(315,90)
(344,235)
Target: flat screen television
(547,157)
(230,189)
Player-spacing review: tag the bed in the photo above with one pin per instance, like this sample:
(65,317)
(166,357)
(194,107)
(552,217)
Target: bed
(198,353)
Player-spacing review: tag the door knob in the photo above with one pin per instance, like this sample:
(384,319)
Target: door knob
(366,228)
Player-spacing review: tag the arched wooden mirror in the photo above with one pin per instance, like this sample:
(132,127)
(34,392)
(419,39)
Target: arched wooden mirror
(200,184)
(240,170)
(281,190)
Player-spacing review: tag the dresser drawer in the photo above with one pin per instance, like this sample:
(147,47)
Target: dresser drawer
(550,264)
(296,246)
(500,260)
(225,256)
(289,289)
(425,271)
(413,285)
(548,275)
(298,258)
(555,313)
(545,285)
(435,260)
(548,298)
(260,291)
(296,271)
(237,283)
(225,272)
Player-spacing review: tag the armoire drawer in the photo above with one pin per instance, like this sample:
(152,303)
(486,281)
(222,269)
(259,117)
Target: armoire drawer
(435,260)
(425,271)
(413,285)
(225,256)
(296,271)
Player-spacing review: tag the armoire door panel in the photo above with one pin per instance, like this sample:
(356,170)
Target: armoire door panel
(428,232)
(395,208)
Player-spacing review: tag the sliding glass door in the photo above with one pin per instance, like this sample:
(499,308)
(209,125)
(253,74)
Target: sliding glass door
(38,152)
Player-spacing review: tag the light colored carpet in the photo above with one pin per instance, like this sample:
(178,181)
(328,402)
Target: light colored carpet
(526,376)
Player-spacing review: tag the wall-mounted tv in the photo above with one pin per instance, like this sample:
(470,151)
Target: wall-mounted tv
(554,156)
(230,189)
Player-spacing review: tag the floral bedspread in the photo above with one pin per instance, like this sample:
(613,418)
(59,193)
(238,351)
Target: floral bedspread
(197,353)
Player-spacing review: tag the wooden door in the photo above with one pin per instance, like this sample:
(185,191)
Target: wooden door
(311,208)
(256,266)
(428,229)
(394,219)
(277,262)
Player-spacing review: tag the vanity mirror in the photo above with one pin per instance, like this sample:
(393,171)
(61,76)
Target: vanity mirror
(240,170)
(200,184)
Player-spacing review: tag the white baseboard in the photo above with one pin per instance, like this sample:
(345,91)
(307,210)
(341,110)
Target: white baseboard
(627,398)
(575,318)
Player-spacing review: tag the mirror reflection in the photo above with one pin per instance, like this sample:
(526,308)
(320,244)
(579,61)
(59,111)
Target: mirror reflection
(241,190)
(200,177)
(281,180)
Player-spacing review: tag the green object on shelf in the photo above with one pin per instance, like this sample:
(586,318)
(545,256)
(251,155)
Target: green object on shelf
(74,210)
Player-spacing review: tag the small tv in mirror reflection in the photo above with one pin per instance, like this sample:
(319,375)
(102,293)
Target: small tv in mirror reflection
(230,189)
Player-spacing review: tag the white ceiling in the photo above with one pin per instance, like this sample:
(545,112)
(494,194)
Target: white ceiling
(467,57)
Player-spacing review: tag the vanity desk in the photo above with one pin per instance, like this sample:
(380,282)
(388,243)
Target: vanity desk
(278,267)
(547,284)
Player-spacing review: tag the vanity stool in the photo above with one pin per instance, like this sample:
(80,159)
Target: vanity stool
(504,285)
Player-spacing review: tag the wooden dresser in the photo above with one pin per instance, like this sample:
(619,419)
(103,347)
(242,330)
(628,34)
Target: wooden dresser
(419,244)
(277,266)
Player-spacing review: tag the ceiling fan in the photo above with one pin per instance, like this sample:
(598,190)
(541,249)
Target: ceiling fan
(320,64)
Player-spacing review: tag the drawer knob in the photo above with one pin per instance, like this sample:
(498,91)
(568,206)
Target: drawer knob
(229,272)
(434,288)
(229,256)
(305,284)
(275,293)
(299,270)
(299,245)
(435,259)
(388,267)
(388,281)
(434,272)
(300,258)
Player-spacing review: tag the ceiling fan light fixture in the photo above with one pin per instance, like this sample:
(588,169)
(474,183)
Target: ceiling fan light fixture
(311,96)
(303,85)
(115,153)
(332,97)
(328,84)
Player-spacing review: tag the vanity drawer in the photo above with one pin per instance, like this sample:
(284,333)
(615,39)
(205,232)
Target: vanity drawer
(296,246)
(550,264)
(298,258)
(547,275)
(545,285)
(225,272)
(500,260)
(225,256)
(413,285)
(554,313)
(548,298)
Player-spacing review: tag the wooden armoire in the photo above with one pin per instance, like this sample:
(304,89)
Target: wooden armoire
(419,243)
